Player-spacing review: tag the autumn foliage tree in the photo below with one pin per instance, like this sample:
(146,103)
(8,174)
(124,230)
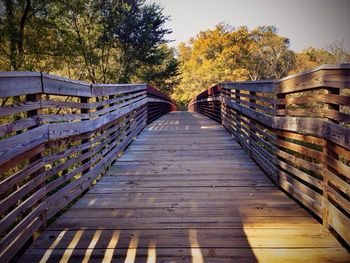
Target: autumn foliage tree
(313,57)
(228,54)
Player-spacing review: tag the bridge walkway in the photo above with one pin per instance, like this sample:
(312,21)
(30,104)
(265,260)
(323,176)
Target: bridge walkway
(185,191)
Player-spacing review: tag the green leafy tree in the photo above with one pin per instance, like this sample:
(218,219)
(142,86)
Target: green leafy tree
(29,38)
(162,72)
(137,29)
(94,40)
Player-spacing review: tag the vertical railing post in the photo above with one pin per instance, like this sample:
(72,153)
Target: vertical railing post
(251,120)
(222,109)
(147,106)
(327,150)
(239,115)
(36,114)
(279,106)
(85,100)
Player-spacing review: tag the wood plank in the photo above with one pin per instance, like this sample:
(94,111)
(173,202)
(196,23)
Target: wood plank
(21,143)
(63,86)
(214,238)
(184,192)
(210,255)
(112,89)
(19,83)
(256,86)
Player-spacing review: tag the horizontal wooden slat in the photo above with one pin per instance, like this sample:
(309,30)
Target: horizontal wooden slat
(58,131)
(308,165)
(23,207)
(256,86)
(19,228)
(337,181)
(112,89)
(17,177)
(338,165)
(268,100)
(339,222)
(329,98)
(18,125)
(302,193)
(300,174)
(63,86)
(18,144)
(19,107)
(20,83)
(325,76)
(300,137)
(21,192)
(300,149)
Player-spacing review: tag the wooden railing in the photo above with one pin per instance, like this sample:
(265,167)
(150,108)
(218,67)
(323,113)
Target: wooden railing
(57,137)
(158,104)
(297,129)
(208,103)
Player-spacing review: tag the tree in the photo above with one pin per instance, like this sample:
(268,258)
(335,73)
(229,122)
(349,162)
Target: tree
(94,40)
(313,57)
(137,29)
(271,57)
(228,54)
(162,73)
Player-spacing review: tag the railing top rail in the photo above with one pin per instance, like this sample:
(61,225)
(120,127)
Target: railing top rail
(153,92)
(247,82)
(255,86)
(322,67)
(24,83)
(17,74)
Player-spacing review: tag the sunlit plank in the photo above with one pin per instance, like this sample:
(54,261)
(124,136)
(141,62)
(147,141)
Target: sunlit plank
(52,247)
(111,246)
(152,255)
(197,256)
(92,246)
(68,252)
(131,254)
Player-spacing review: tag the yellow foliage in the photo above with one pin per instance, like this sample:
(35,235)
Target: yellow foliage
(224,54)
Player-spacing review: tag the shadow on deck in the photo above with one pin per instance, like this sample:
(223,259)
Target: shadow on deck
(185,191)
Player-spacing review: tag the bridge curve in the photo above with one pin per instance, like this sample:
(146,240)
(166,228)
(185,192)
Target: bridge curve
(185,191)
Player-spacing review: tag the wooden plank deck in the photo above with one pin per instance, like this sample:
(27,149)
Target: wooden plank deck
(185,191)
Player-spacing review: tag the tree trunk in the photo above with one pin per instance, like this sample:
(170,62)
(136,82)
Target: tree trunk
(11,27)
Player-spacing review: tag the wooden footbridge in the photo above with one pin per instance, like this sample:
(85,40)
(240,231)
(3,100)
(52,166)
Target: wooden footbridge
(255,171)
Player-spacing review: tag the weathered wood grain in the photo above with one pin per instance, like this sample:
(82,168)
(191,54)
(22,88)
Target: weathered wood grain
(20,83)
(159,195)
(304,144)
(57,142)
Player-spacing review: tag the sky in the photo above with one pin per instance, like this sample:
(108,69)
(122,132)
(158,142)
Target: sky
(306,23)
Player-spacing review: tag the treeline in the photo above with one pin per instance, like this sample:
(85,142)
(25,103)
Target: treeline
(108,41)
(228,54)
(120,41)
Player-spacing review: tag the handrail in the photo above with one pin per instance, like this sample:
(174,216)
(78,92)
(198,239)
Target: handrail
(297,130)
(158,104)
(208,103)
(57,137)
